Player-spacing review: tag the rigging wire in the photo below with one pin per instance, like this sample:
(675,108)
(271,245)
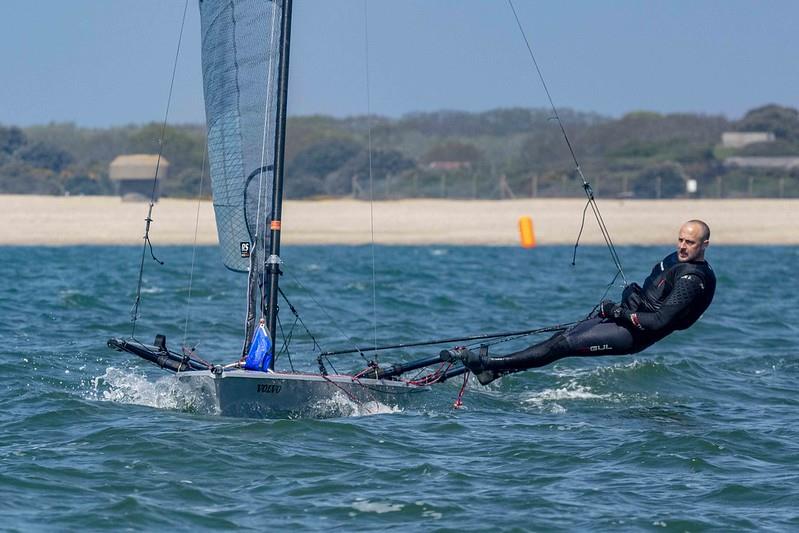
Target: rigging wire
(371,178)
(286,341)
(194,247)
(510,334)
(134,312)
(329,317)
(299,318)
(586,185)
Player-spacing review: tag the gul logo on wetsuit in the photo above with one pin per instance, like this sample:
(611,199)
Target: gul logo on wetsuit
(599,348)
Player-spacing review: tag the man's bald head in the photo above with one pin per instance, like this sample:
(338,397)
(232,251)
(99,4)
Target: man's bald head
(693,239)
(704,229)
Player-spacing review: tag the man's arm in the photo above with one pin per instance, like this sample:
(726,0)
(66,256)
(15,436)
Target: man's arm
(685,292)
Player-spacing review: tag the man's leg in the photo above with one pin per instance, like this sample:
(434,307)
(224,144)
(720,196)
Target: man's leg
(595,336)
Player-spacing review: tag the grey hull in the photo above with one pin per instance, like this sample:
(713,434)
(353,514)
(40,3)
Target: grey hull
(246,393)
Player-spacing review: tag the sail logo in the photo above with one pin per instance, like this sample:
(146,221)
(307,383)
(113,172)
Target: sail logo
(245,249)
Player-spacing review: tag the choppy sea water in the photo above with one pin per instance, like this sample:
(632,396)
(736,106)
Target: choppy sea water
(697,433)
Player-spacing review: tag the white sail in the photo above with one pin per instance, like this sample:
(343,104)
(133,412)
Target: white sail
(240,59)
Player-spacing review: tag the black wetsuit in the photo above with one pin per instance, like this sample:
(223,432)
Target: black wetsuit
(673,297)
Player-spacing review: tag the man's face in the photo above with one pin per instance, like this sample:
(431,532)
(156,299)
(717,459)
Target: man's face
(690,245)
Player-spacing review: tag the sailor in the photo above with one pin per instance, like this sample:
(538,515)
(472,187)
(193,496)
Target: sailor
(674,296)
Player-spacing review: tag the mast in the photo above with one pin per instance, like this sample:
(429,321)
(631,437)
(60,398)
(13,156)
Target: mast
(273,261)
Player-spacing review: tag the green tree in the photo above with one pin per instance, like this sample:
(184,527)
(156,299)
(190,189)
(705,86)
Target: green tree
(18,177)
(324,157)
(453,151)
(43,155)
(304,186)
(782,121)
(382,163)
(11,139)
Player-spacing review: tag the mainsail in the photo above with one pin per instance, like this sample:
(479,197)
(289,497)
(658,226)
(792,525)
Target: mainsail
(241,42)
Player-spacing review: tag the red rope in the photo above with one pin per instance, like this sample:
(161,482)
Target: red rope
(459,401)
(433,377)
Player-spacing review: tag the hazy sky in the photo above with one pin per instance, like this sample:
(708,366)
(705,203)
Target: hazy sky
(108,62)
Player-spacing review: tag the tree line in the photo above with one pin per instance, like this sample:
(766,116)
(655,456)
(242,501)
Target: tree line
(493,154)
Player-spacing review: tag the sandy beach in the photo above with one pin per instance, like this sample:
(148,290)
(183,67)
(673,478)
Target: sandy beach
(58,220)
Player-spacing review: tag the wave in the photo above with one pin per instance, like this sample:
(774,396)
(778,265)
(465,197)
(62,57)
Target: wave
(553,399)
(128,386)
(340,405)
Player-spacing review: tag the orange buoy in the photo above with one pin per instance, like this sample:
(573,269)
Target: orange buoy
(526,232)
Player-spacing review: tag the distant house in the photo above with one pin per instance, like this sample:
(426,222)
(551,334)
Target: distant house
(739,139)
(134,175)
(785,162)
(448,165)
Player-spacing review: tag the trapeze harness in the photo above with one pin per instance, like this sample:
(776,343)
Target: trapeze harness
(673,297)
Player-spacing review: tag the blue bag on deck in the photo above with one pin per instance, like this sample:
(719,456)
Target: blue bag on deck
(260,355)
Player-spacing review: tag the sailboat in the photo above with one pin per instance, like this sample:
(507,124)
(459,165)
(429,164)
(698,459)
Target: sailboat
(245,61)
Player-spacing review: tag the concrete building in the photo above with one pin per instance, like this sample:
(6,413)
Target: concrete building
(739,139)
(784,162)
(134,175)
(448,165)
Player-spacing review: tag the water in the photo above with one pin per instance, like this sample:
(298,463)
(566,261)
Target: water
(697,433)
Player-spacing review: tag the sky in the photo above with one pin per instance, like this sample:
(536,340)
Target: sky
(101,63)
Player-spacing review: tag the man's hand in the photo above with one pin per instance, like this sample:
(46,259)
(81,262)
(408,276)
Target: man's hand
(621,313)
(607,309)
(631,296)
(618,312)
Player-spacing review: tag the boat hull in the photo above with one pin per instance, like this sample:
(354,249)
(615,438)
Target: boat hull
(245,393)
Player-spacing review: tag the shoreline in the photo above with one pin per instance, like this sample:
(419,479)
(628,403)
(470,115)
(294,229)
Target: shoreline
(36,220)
